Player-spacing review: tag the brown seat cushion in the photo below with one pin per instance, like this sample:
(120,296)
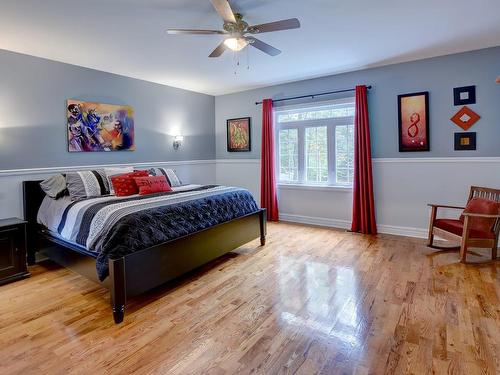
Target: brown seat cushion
(457,227)
(480,227)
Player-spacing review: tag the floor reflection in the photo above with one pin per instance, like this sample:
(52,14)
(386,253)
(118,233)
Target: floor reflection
(321,300)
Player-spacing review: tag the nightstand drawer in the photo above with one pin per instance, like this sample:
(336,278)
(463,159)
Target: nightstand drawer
(12,252)
(9,240)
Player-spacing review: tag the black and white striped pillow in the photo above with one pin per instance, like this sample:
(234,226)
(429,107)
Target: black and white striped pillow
(83,184)
(172,178)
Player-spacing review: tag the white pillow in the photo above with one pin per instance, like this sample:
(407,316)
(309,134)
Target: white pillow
(110,172)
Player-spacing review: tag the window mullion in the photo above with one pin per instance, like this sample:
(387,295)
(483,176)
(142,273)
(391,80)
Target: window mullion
(277,154)
(302,155)
(332,180)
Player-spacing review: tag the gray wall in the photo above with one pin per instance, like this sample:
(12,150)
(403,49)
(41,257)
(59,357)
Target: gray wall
(437,75)
(33,92)
(33,95)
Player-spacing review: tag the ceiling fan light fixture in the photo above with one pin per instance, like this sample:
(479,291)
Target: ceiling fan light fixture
(236,44)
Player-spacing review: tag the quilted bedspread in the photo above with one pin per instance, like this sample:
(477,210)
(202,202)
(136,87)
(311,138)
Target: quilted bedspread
(112,228)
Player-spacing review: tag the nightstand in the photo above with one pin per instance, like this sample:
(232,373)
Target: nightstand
(12,250)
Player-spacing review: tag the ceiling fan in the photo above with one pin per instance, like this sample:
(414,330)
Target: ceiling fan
(238,34)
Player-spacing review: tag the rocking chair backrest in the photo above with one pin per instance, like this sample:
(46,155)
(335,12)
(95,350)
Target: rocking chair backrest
(485,193)
(490,194)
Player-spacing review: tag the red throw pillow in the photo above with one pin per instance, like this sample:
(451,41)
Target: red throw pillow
(124,184)
(482,206)
(152,184)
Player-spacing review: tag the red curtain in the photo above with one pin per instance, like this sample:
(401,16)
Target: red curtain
(363,207)
(268,198)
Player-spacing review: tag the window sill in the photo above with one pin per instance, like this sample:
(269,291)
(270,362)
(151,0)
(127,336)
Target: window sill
(346,189)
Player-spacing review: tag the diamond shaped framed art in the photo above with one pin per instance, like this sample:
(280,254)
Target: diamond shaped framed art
(465,118)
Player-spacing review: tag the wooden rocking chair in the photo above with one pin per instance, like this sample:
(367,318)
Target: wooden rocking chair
(478,226)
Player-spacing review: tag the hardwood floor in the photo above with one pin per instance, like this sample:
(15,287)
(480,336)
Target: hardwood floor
(312,300)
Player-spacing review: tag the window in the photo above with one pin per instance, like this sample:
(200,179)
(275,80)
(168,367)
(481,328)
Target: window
(316,154)
(316,143)
(289,160)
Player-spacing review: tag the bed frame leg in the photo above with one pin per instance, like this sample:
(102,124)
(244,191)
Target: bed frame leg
(30,259)
(118,288)
(263,227)
(31,245)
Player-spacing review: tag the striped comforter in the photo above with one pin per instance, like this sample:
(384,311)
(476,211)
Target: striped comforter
(113,227)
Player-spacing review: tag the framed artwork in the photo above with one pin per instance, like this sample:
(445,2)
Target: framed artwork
(238,134)
(465,141)
(465,118)
(464,95)
(413,121)
(96,127)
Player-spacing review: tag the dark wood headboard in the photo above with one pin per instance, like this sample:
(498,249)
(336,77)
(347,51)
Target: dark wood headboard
(32,199)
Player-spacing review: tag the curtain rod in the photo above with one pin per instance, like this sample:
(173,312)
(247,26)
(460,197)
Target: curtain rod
(312,96)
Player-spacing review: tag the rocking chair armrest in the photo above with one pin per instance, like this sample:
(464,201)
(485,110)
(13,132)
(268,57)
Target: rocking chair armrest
(445,206)
(486,216)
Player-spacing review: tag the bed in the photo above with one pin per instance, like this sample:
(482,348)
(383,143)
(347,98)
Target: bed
(133,244)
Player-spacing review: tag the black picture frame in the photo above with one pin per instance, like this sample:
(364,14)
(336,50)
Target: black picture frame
(471,95)
(417,148)
(231,121)
(470,145)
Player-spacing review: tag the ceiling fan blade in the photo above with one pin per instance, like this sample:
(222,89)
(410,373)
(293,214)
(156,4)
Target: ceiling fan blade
(292,23)
(224,9)
(264,47)
(218,51)
(192,31)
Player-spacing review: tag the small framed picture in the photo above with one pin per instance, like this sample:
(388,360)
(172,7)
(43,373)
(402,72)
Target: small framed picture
(238,134)
(413,121)
(465,141)
(464,95)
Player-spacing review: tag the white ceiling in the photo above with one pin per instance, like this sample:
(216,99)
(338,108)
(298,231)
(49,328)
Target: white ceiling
(128,36)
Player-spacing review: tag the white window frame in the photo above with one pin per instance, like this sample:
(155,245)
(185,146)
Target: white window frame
(331,124)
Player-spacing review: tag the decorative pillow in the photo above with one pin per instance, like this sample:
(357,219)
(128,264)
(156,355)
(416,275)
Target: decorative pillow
(152,184)
(110,172)
(85,184)
(172,178)
(124,184)
(55,186)
(482,206)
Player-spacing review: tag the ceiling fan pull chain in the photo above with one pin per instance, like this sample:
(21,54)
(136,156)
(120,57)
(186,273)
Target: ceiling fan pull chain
(234,63)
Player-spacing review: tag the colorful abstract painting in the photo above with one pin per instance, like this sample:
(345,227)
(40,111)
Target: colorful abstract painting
(414,122)
(99,127)
(238,134)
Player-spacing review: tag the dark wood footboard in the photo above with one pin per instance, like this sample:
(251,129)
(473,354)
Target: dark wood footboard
(143,270)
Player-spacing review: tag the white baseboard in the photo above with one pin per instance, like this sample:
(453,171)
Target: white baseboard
(402,231)
(324,222)
(438,160)
(238,161)
(345,224)
(449,159)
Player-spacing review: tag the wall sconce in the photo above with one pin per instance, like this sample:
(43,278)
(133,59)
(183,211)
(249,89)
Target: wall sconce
(178,141)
